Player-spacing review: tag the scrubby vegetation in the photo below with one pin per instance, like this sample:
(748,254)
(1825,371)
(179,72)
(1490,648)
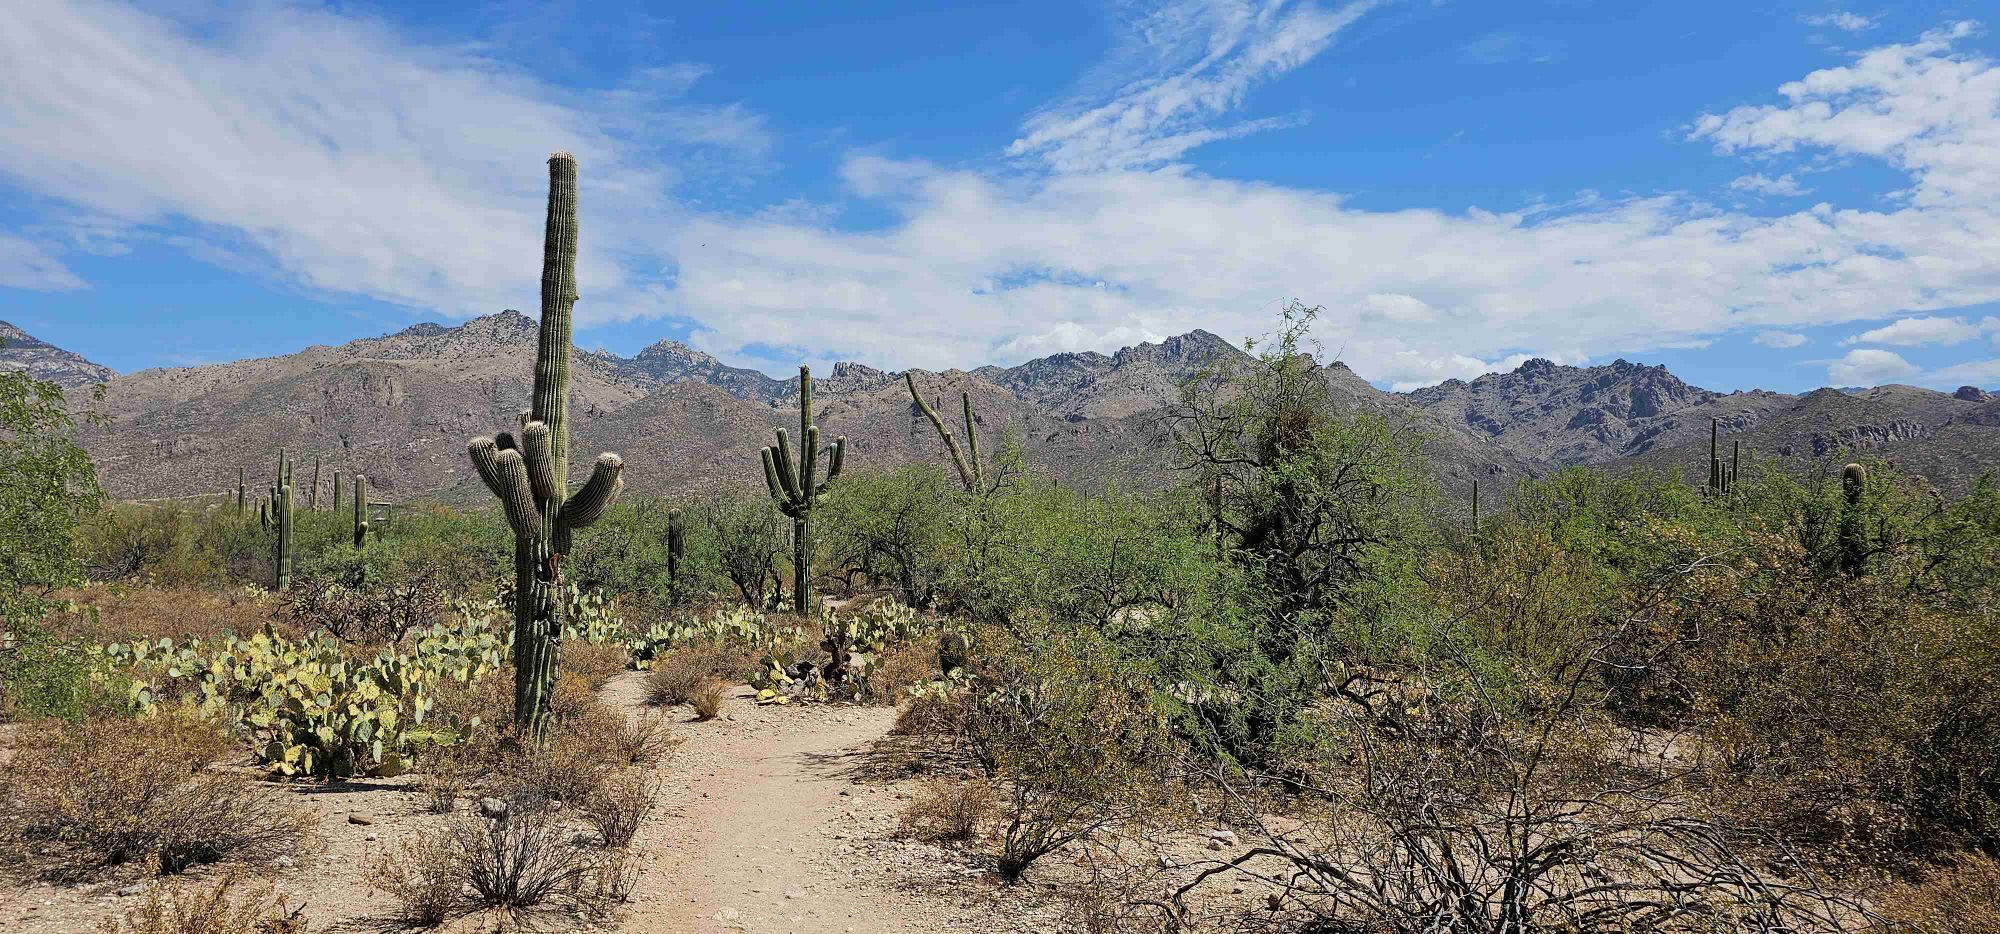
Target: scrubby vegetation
(1621,703)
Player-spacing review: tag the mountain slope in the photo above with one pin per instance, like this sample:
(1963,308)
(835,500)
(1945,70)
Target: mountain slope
(20,350)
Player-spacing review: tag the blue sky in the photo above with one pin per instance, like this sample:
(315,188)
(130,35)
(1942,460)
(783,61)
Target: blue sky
(1777,194)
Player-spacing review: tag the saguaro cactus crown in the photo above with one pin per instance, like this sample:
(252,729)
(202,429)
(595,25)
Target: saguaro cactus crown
(530,474)
(969,471)
(796,489)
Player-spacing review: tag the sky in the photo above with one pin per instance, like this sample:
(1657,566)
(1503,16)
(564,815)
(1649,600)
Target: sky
(1778,194)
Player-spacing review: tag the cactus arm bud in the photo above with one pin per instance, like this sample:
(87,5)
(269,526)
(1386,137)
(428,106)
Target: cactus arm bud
(597,494)
(538,449)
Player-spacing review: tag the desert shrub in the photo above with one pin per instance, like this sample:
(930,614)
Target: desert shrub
(524,862)
(359,610)
(596,662)
(1077,743)
(620,806)
(677,675)
(47,484)
(644,739)
(531,860)
(42,675)
(108,613)
(224,906)
(748,542)
(1960,898)
(948,809)
(708,699)
(423,876)
(79,798)
(891,530)
(902,667)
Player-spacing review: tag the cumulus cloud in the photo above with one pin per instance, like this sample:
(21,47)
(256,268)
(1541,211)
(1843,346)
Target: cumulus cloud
(1779,339)
(325,149)
(1985,373)
(1869,368)
(1919,331)
(333,153)
(1182,65)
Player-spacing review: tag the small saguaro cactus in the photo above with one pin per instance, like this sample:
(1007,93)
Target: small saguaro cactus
(1719,474)
(676,550)
(1853,538)
(315,496)
(284,522)
(336,490)
(242,490)
(969,471)
(360,511)
(795,487)
(530,475)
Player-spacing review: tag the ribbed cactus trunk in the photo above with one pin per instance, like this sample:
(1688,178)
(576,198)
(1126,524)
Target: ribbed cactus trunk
(315,495)
(531,476)
(1853,536)
(284,558)
(360,511)
(676,549)
(336,490)
(242,490)
(969,470)
(795,488)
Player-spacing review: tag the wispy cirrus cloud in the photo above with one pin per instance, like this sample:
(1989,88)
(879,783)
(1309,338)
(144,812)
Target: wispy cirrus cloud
(1183,66)
(24,264)
(1841,20)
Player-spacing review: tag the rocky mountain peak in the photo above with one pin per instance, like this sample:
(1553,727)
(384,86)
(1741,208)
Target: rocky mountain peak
(22,351)
(1972,394)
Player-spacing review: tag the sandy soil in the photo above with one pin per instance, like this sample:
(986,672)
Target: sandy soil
(774,818)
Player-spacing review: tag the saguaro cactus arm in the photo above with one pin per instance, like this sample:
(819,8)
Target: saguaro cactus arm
(967,474)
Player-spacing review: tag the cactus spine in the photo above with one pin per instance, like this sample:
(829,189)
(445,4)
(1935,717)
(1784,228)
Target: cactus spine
(530,476)
(969,472)
(795,488)
(1853,541)
(676,549)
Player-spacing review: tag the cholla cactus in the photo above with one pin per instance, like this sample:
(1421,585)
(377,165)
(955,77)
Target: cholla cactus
(795,487)
(530,475)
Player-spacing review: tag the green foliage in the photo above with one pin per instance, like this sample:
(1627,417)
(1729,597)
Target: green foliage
(47,487)
(894,529)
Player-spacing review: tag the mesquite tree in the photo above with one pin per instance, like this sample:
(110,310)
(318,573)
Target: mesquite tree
(796,489)
(530,475)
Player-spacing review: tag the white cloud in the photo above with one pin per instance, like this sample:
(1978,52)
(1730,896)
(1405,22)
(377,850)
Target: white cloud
(1779,339)
(25,265)
(1784,186)
(1984,373)
(338,155)
(325,149)
(1869,368)
(1848,22)
(1181,65)
(1919,331)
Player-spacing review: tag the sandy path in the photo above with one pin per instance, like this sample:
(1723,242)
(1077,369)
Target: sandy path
(754,819)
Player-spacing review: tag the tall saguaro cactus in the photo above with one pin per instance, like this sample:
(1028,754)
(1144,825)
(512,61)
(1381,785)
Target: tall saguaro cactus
(360,511)
(530,475)
(676,549)
(1853,537)
(283,508)
(969,472)
(796,488)
(315,496)
(1721,476)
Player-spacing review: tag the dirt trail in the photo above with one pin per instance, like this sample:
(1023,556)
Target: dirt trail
(755,818)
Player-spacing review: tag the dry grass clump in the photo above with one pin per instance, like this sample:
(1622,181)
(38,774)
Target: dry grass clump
(121,613)
(1963,898)
(945,809)
(708,699)
(528,861)
(902,668)
(595,664)
(216,908)
(620,806)
(76,799)
(677,675)
(644,740)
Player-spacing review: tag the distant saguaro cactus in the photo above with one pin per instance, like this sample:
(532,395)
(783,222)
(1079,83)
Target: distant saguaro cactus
(360,511)
(969,471)
(1853,537)
(336,491)
(676,550)
(284,522)
(1719,474)
(315,496)
(530,476)
(242,490)
(796,489)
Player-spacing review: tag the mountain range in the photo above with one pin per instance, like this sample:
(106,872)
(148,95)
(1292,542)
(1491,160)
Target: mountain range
(399,408)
